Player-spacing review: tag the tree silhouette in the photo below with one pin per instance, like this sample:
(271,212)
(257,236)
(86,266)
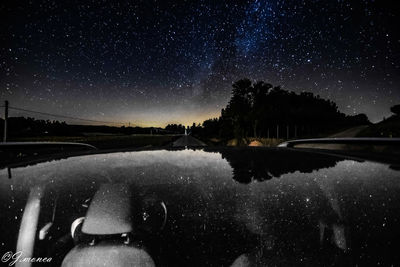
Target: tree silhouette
(239,107)
(258,99)
(175,128)
(256,108)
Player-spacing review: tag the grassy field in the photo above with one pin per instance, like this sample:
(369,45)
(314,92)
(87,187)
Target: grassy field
(108,141)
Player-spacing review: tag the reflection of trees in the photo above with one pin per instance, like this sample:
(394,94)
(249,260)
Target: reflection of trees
(306,218)
(263,164)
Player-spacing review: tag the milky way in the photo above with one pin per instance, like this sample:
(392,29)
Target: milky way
(159,62)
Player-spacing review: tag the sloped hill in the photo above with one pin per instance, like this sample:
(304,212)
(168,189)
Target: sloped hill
(389,127)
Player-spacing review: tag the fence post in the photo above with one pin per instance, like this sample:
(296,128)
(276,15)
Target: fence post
(287,131)
(5,120)
(277,131)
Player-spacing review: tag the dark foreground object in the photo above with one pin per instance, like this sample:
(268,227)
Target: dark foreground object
(207,207)
(17,152)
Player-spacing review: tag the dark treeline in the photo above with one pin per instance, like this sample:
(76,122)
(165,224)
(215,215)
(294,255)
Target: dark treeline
(31,127)
(262,110)
(175,128)
(21,126)
(28,127)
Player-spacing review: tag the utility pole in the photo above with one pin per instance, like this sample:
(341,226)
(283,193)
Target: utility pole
(5,120)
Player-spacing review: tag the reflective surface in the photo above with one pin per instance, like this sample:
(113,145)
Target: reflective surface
(250,206)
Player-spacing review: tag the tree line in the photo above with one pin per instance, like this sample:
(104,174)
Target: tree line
(260,109)
(31,127)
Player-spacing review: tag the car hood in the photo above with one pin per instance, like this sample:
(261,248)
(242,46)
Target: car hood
(226,202)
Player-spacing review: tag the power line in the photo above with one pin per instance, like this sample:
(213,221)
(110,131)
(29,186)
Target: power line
(63,116)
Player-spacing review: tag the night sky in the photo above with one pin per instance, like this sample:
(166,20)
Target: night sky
(159,62)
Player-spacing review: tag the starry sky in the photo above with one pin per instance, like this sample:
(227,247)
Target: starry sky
(156,62)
